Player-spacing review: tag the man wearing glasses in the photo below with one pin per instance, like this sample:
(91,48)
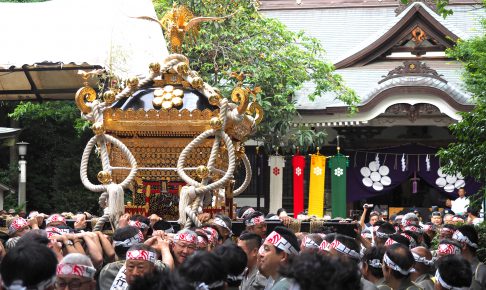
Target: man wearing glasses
(184,244)
(75,272)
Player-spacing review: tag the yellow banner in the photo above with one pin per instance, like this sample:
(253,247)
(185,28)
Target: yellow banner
(316,186)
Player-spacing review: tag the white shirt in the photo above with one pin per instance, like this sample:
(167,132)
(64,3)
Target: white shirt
(460,205)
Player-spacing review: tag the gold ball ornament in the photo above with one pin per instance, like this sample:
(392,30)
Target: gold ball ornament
(109,97)
(155,67)
(169,89)
(98,128)
(157,103)
(166,105)
(158,93)
(197,83)
(177,102)
(178,93)
(167,97)
(182,68)
(214,100)
(132,82)
(216,123)
(202,171)
(104,177)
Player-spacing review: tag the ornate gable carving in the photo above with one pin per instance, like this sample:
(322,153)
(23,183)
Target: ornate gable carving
(413,68)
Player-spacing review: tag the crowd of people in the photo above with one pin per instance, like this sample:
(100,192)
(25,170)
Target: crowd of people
(403,252)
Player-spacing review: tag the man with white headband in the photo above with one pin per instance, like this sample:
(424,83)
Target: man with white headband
(223,224)
(55,220)
(453,273)
(250,243)
(75,271)
(255,223)
(372,262)
(123,239)
(424,265)
(183,245)
(398,263)
(275,252)
(140,261)
(468,237)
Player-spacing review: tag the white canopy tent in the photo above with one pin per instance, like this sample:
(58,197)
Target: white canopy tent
(44,45)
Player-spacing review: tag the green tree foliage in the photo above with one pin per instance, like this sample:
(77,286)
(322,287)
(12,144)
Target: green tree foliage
(468,153)
(273,58)
(57,138)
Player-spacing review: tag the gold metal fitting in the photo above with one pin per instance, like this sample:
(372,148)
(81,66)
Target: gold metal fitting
(202,171)
(166,105)
(197,83)
(104,177)
(155,67)
(167,96)
(216,123)
(109,97)
(132,82)
(178,93)
(157,103)
(98,128)
(158,93)
(240,151)
(214,99)
(169,89)
(182,68)
(177,102)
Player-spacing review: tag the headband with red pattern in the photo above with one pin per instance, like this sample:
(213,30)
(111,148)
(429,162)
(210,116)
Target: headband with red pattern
(76,270)
(255,221)
(16,225)
(390,242)
(448,249)
(338,246)
(138,224)
(142,255)
(201,242)
(212,234)
(324,246)
(460,237)
(186,237)
(308,243)
(55,218)
(280,242)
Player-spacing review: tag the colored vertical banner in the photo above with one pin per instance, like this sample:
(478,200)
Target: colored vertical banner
(338,166)
(276,163)
(316,186)
(298,163)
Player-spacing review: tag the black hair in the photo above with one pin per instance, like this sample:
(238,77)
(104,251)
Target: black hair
(203,267)
(414,236)
(374,253)
(289,236)
(455,271)
(471,233)
(386,228)
(234,261)
(34,236)
(252,240)
(379,223)
(449,226)
(321,272)
(350,243)
(474,210)
(280,210)
(161,281)
(402,256)
(30,263)
(122,234)
(400,239)
(161,225)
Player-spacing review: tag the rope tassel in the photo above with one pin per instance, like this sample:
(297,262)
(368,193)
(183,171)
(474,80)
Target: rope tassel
(116,201)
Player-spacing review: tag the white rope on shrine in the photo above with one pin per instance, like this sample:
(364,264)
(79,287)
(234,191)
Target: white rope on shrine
(246,182)
(113,194)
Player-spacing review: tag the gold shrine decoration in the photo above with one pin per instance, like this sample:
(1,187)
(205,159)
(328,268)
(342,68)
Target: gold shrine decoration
(179,21)
(418,35)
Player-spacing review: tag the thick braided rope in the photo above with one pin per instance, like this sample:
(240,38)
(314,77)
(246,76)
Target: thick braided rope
(191,211)
(248,174)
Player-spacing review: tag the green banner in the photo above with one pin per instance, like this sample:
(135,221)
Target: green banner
(338,165)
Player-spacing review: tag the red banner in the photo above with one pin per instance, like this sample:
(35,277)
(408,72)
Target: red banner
(298,163)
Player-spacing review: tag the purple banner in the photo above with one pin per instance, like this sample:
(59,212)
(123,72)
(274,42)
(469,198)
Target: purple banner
(368,178)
